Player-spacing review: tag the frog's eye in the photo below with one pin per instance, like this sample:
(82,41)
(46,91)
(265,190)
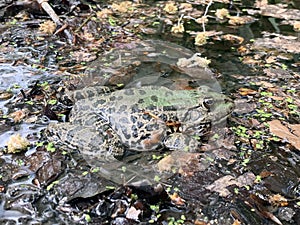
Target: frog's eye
(208,102)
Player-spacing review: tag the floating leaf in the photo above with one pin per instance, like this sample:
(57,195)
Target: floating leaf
(289,132)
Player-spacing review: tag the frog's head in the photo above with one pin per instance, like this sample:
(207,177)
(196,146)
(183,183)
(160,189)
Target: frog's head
(212,113)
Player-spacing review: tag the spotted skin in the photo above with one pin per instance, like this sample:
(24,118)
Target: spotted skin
(104,123)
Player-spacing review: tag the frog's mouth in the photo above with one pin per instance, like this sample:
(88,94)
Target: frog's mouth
(220,111)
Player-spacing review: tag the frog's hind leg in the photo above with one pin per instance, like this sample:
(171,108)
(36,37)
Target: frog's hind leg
(89,92)
(89,141)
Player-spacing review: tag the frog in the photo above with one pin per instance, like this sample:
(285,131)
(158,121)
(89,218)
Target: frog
(105,123)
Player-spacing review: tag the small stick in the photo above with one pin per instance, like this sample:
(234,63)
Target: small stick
(48,9)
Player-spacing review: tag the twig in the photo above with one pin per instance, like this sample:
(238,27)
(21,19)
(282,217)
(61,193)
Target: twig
(205,13)
(48,9)
(84,22)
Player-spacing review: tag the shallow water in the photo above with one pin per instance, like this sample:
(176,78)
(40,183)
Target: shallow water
(26,179)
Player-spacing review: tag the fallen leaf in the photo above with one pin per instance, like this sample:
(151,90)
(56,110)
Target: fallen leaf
(289,132)
(178,28)
(47,27)
(236,222)
(122,7)
(264,84)
(200,39)
(201,20)
(247,91)
(19,115)
(240,20)
(278,200)
(104,13)
(17,143)
(222,13)
(222,183)
(176,199)
(234,39)
(133,213)
(182,162)
(296,26)
(198,222)
(171,8)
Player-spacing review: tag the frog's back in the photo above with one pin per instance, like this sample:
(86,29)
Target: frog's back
(151,98)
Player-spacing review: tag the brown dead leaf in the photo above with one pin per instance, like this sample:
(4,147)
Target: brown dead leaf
(171,8)
(265,174)
(279,11)
(289,132)
(278,200)
(250,60)
(295,129)
(133,213)
(271,59)
(220,185)
(5,95)
(198,222)
(279,43)
(236,222)
(296,26)
(47,27)
(222,13)
(234,39)
(176,199)
(277,98)
(19,115)
(122,7)
(104,13)
(17,143)
(182,162)
(247,91)
(243,50)
(261,3)
(240,20)
(82,56)
(185,7)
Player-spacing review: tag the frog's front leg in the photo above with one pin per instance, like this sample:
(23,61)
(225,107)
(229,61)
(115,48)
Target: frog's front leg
(182,142)
(101,144)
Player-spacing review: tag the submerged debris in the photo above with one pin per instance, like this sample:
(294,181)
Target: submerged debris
(17,143)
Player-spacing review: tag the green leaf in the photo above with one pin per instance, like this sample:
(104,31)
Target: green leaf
(110,187)
(156,157)
(39,144)
(120,85)
(157,178)
(87,218)
(236,190)
(50,186)
(52,102)
(85,173)
(258,179)
(50,147)
(154,208)
(95,170)
(29,102)
(245,161)
(111,21)
(44,84)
